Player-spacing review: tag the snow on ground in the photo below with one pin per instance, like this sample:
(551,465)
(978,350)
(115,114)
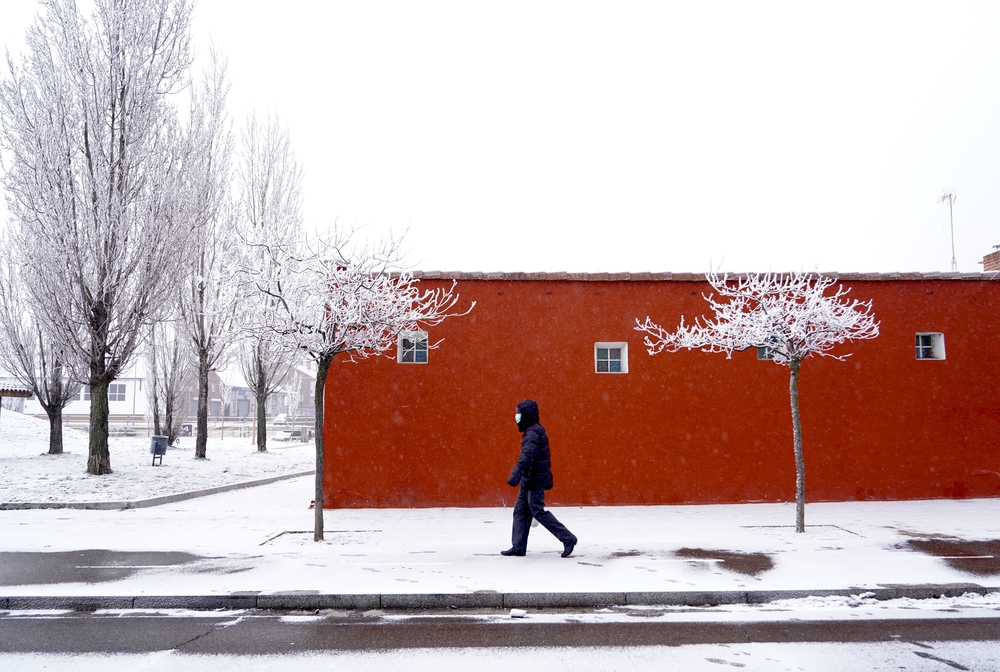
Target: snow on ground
(837,608)
(259,539)
(764,657)
(29,474)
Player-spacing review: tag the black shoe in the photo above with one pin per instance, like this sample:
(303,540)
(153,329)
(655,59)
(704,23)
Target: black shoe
(512,551)
(568,549)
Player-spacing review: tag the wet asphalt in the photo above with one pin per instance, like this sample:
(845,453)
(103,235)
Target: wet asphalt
(87,566)
(273,633)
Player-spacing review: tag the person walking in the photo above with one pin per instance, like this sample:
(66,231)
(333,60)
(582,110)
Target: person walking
(533,474)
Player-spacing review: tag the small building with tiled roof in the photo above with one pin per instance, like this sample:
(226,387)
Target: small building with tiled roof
(8,389)
(12,390)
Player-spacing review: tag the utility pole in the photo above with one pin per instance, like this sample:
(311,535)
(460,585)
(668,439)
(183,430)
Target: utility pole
(949,196)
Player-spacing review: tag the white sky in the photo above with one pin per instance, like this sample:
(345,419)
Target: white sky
(631,136)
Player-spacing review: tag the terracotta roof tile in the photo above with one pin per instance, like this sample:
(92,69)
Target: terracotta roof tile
(14,390)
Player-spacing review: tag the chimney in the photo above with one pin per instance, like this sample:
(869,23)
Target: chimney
(991,262)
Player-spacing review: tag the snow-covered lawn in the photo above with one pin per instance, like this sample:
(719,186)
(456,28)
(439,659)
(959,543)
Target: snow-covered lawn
(29,474)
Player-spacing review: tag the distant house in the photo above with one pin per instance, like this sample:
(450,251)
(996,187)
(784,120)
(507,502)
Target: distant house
(126,402)
(128,399)
(914,413)
(11,391)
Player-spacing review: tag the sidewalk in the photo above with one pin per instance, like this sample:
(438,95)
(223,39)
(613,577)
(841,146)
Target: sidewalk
(253,547)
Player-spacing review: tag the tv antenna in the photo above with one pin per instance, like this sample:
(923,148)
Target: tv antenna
(949,197)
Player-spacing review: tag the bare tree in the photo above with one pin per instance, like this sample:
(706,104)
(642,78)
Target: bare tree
(790,316)
(330,297)
(226,388)
(270,214)
(264,367)
(293,396)
(208,297)
(169,372)
(94,158)
(30,354)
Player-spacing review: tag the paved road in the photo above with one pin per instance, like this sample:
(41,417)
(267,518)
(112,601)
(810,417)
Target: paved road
(268,633)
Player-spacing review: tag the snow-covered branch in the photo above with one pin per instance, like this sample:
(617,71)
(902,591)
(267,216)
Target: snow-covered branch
(331,297)
(792,315)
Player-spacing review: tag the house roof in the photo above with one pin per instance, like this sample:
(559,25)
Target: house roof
(689,277)
(13,390)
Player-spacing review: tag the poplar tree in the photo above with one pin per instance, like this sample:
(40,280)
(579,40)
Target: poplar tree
(94,158)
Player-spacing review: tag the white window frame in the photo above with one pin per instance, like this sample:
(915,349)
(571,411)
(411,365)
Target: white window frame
(119,389)
(608,345)
(936,346)
(416,337)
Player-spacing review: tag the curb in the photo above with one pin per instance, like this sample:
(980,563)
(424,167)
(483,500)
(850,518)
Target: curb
(477,600)
(154,501)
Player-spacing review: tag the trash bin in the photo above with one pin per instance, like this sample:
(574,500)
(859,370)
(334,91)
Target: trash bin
(158,447)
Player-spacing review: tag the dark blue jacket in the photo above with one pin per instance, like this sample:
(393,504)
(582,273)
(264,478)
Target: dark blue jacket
(533,470)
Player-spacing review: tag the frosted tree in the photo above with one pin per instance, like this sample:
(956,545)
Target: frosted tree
(269,214)
(330,297)
(93,159)
(208,295)
(790,316)
(30,354)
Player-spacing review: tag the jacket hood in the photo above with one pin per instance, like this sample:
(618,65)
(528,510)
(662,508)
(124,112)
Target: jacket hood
(529,414)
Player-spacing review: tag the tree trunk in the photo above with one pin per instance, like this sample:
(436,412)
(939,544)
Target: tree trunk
(321,371)
(99,458)
(55,395)
(800,465)
(201,442)
(154,382)
(261,408)
(55,429)
(170,425)
(156,417)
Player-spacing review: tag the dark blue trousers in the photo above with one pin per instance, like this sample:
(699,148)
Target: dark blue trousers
(531,504)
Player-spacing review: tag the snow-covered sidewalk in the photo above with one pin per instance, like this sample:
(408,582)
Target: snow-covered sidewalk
(258,541)
(29,474)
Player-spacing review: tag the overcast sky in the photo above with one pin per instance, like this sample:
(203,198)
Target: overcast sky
(619,136)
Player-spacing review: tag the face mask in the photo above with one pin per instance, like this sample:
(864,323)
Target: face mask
(517,418)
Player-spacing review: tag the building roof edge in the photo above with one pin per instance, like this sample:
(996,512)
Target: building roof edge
(689,277)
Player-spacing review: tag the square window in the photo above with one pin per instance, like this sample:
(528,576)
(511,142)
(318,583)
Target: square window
(765,353)
(411,348)
(611,357)
(930,345)
(116,392)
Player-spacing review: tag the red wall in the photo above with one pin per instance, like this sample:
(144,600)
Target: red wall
(678,427)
